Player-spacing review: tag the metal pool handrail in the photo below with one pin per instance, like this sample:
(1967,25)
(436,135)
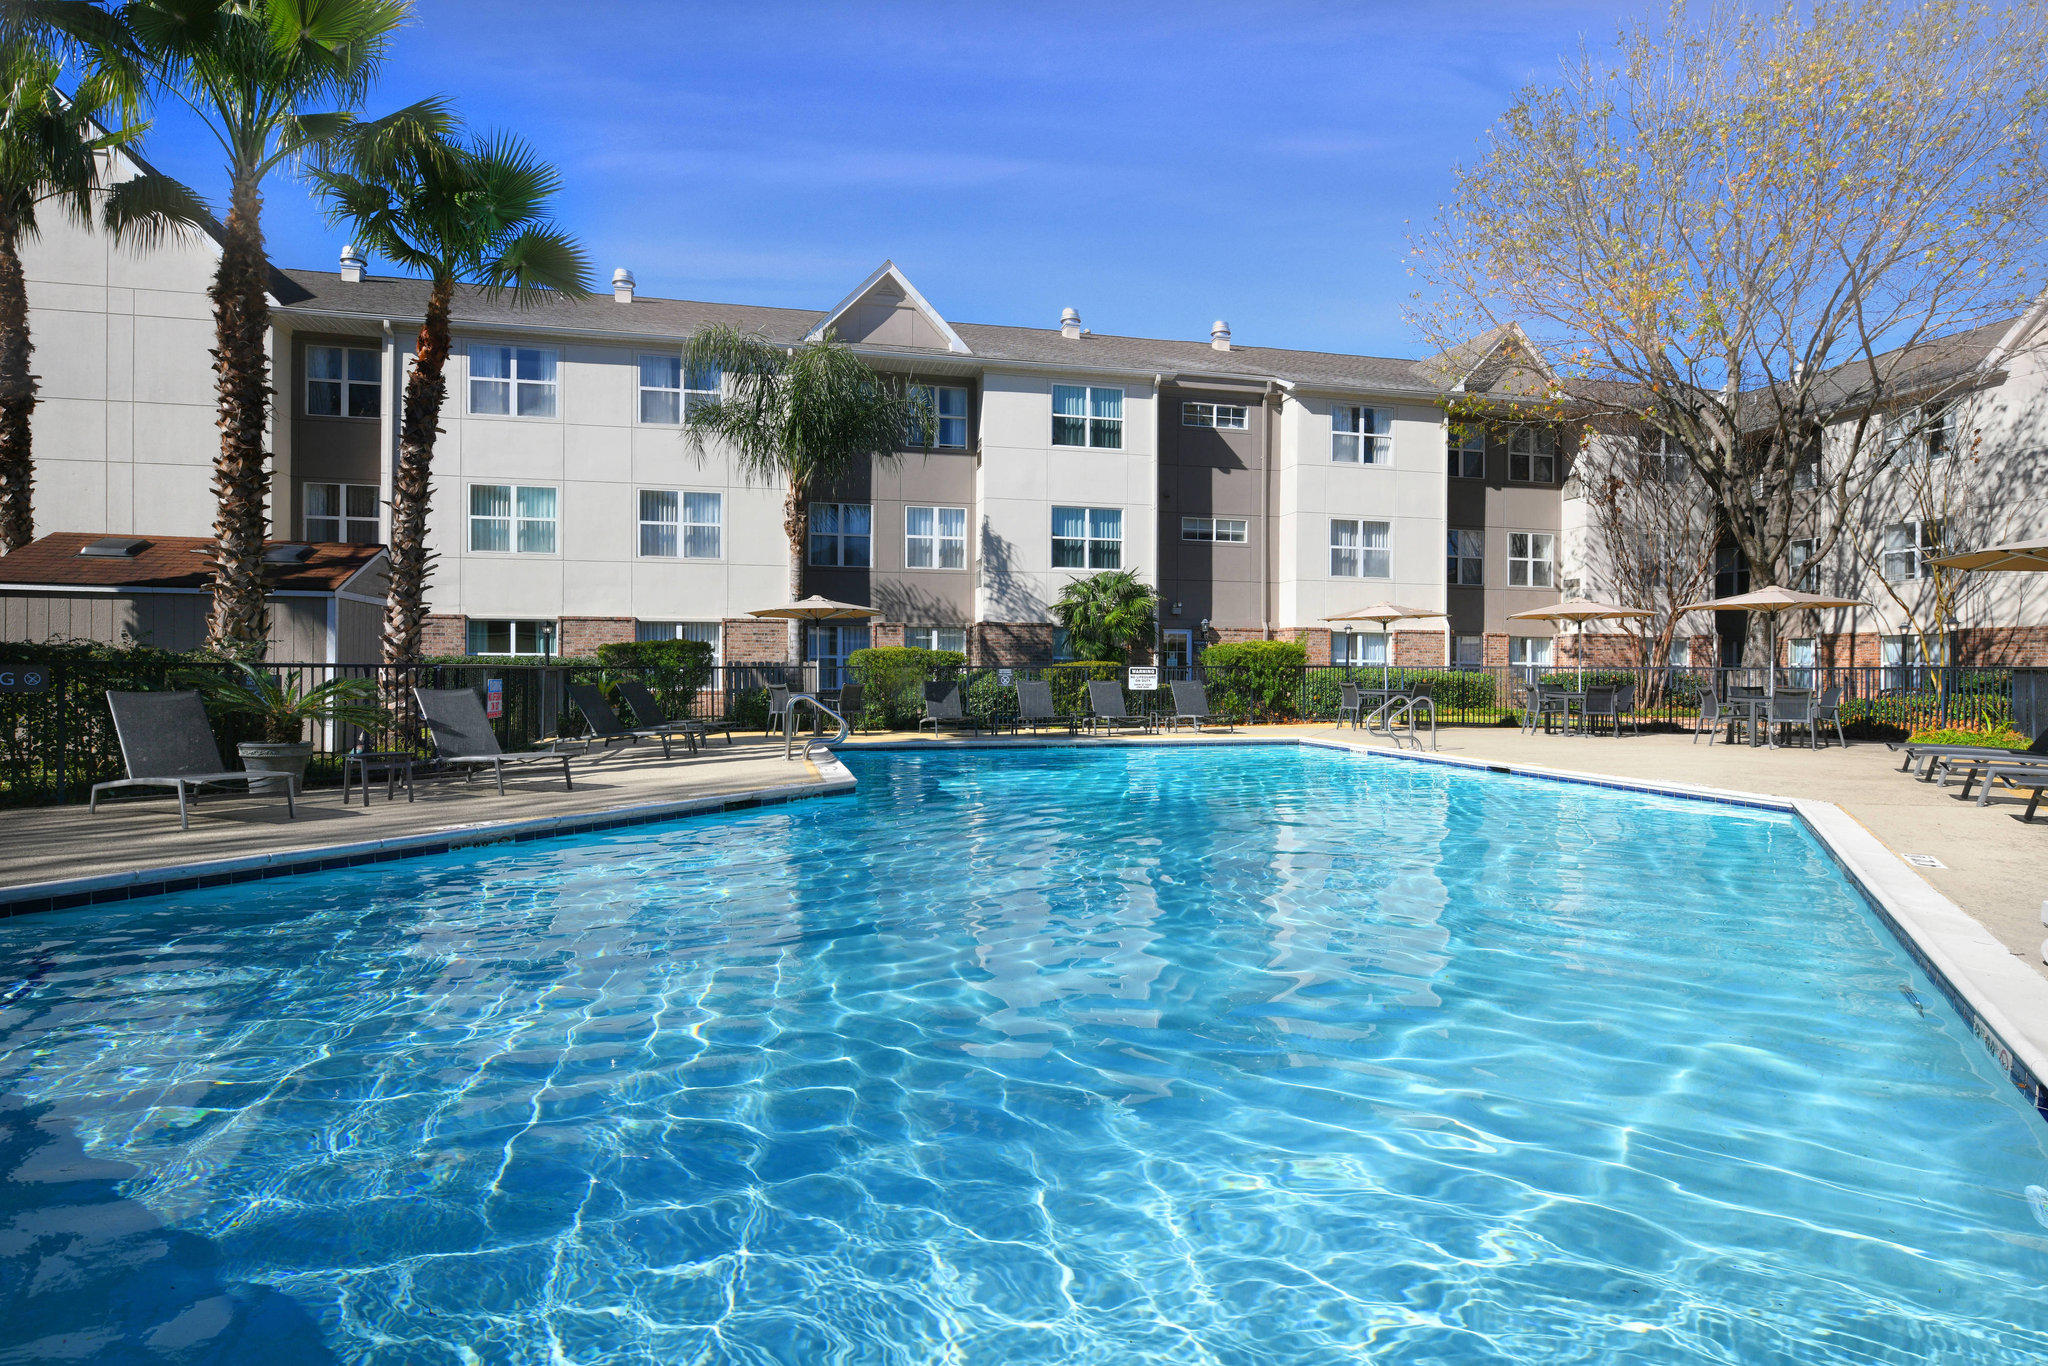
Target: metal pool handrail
(1407,713)
(789,725)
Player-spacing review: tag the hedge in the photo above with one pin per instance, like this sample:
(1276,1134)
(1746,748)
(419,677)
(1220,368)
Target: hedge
(1256,678)
(892,679)
(674,670)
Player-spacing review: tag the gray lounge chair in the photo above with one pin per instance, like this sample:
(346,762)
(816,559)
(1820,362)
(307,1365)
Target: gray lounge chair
(1035,708)
(1106,708)
(647,712)
(605,724)
(1931,755)
(166,741)
(465,742)
(943,709)
(1191,705)
(2010,768)
(2022,776)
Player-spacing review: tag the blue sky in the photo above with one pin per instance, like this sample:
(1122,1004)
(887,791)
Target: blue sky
(1154,165)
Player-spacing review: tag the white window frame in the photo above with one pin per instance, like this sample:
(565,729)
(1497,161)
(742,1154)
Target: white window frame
(345,399)
(513,625)
(1805,569)
(1092,541)
(1538,655)
(1093,428)
(1216,530)
(685,630)
(516,522)
(932,397)
(1464,447)
(1229,417)
(1536,564)
(1361,649)
(516,383)
(687,518)
(1464,550)
(342,518)
(928,637)
(1535,448)
(839,537)
(934,544)
(1361,434)
(685,394)
(1907,546)
(1348,547)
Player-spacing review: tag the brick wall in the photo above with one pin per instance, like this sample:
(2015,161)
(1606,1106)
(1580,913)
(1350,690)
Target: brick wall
(1317,641)
(1493,650)
(445,636)
(753,640)
(883,635)
(1009,643)
(1420,649)
(581,636)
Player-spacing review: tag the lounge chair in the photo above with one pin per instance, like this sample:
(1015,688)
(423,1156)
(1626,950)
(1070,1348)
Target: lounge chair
(1035,708)
(1933,754)
(1987,769)
(647,711)
(605,724)
(1191,704)
(166,741)
(1106,708)
(465,742)
(943,710)
(2022,776)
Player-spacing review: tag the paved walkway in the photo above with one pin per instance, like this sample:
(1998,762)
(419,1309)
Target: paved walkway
(45,844)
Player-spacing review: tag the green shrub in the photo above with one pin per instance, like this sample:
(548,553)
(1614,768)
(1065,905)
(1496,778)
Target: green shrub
(674,670)
(1256,678)
(1594,678)
(892,679)
(1962,735)
(989,696)
(747,709)
(1069,682)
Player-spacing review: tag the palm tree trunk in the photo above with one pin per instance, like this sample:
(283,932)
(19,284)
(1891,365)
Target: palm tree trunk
(426,388)
(240,624)
(796,526)
(17,397)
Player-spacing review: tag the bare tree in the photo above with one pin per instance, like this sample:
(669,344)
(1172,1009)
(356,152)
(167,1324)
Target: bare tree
(1650,530)
(1743,229)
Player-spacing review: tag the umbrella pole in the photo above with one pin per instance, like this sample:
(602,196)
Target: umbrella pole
(1386,655)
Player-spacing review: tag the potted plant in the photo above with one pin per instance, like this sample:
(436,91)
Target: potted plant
(281,708)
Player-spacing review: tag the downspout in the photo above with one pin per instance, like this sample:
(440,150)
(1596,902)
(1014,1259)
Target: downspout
(1275,402)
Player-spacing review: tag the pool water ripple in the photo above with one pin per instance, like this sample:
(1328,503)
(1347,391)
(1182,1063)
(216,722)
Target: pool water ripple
(1260,1055)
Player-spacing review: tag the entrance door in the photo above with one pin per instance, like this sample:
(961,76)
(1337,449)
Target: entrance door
(1179,650)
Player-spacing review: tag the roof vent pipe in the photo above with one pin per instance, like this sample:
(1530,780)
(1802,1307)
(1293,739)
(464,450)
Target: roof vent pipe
(622,285)
(1070,322)
(353,266)
(1219,335)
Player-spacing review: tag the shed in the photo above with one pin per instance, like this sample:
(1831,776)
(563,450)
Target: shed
(326,598)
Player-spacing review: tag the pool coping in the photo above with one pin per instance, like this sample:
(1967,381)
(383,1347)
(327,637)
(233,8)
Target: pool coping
(2004,1000)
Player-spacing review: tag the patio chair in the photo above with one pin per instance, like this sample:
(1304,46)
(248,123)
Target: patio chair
(1828,712)
(1035,708)
(943,710)
(464,741)
(1712,715)
(1601,703)
(1191,704)
(853,704)
(647,711)
(605,724)
(1350,704)
(778,705)
(1934,754)
(166,741)
(1106,708)
(1540,704)
(1788,711)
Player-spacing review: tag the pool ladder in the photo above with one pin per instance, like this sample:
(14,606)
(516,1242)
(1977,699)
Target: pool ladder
(1390,716)
(789,726)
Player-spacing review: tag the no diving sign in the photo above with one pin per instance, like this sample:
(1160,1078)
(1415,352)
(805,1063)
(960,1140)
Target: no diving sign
(23,678)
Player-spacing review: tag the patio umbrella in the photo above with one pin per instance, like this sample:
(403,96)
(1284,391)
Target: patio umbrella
(1579,611)
(1383,613)
(2013,555)
(814,608)
(1771,601)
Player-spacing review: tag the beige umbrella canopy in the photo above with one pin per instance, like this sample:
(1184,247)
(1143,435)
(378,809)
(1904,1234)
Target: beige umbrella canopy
(814,608)
(1384,613)
(2013,555)
(1579,611)
(1771,601)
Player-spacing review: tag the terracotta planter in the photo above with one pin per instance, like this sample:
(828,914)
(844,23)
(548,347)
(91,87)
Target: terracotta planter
(287,760)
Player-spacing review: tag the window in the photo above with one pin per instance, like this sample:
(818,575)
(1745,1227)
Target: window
(952,638)
(1361,436)
(341,512)
(1662,459)
(935,538)
(511,381)
(679,524)
(667,395)
(1087,538)
(1465,558)
(841,535)
(1532,455)
(1360,550)
(1221,530)
(344,381)
(1907,548)
(1731,572)
(1928,432)
(1531,559)
(1529,654)
(1359,649)
(1083,415)
(1805,570)
(1468,652)
(1799,658)
(946,410)
(1467,445)
(830,646)
(511,637)
(512,518)
(705,632)
(1231,416)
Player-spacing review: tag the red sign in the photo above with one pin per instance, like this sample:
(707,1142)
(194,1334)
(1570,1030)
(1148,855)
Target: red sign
(494,697)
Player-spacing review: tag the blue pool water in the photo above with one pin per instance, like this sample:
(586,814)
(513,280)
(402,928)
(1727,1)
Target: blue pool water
(1134,1056)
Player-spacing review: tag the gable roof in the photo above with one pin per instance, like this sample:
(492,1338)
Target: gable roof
(887,273)
(171,563)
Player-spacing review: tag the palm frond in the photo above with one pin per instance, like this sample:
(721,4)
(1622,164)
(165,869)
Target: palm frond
(539,261)
(152,209)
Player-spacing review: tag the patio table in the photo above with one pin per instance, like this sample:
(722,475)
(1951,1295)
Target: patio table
(393,764)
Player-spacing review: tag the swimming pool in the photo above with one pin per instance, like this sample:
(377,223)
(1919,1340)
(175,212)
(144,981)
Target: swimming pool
(1246,1055)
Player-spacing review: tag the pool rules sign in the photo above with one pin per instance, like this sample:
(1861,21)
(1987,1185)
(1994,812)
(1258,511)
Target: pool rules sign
(1143,678)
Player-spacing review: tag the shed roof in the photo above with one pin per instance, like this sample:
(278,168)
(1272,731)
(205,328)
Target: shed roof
(171,562)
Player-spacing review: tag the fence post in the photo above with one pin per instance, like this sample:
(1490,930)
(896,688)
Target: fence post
(58,690)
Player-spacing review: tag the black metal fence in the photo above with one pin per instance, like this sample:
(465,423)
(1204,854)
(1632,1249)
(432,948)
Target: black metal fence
(56,738)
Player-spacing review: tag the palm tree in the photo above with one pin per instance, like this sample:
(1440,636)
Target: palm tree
(809,415)
(51,155)
(264,76)
(458,212)
(1107,615)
